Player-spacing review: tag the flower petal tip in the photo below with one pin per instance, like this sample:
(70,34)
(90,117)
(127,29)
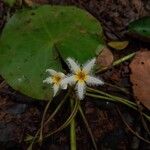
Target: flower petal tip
(45,81)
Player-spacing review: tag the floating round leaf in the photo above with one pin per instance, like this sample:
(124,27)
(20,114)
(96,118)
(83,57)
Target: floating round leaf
(29,40)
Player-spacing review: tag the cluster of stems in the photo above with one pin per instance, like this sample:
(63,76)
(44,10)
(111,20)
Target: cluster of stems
(76,108)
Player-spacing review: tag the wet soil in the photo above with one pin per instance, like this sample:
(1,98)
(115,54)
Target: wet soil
(21,116)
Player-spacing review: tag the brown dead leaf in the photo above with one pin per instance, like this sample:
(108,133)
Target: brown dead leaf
(41,1)
(140,77)
(105,58)
(30,3)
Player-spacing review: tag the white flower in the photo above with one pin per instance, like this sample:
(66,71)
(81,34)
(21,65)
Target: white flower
(55,79)
(81,76)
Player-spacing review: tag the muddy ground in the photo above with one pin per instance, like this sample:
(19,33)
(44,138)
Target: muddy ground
(21,115)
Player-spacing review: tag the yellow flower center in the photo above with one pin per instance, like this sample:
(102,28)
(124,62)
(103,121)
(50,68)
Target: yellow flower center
(56,79)
(81,76)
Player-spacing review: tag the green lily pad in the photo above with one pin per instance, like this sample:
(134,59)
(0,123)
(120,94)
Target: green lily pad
(27,45)
(140,28)
(10,2)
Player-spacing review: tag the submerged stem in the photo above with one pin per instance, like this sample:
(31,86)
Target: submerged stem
(42,122)
(87,126)
(117,100)
(109,99)
(73,144)
(131,130)
(112,96)
(67,122)
(48,120)
(117,87)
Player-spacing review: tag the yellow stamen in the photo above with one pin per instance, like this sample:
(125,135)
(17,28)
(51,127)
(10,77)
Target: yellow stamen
(81,76)
(56,79)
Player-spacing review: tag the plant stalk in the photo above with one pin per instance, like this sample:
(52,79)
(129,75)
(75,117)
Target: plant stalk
(43,118)
(73,144)
(112,96)
(67,122)
(116,100)
(48,120)
(88,127)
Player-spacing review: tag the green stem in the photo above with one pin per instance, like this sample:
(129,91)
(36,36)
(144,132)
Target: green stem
(50,117)
(121,60)
(57,108)
(43,118)
(67,122)
(108,98)
(117,62)
(112,96)
(118,88)
(116,100)
(73,144)
(88,127)
(131,130)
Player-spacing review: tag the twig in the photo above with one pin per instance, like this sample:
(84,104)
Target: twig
(117,62)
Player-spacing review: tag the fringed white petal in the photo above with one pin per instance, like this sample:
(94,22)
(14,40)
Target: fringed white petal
(62,75)
(94,81)
(48,80)
(74,67)
(81,88)
(68,80)
(55,89)
(51,72)
(64,86)
(88,66)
